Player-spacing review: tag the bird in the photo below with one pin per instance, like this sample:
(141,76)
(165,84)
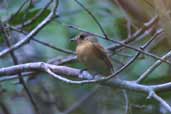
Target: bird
(93,55)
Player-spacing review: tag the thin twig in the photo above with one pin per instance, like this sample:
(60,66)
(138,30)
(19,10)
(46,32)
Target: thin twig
(94,18)
(162,102)
(48,70)
(6,36)
(14,77)
(123,44)
(55,61)
(32,20)
(78,103)
(26,11)
(152,68)
(33,32)
(72,72)
(145,27)
(4,107)
(44,43)
(54,47)
(126,101)
(18,11)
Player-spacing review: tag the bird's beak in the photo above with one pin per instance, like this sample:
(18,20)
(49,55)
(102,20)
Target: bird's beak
(73,39)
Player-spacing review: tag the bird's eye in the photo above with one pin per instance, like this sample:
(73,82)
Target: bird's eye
(82,36)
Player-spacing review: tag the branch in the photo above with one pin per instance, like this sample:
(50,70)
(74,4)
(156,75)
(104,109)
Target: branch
(27,38)
(80,101)
(123,44)
(94,18)
(126,101)
(152,68)
(16,13)
(161,101)
(7,36)
(72,72)
(43,42)
(33,19)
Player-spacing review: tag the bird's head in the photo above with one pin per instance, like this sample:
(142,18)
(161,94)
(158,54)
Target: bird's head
(85,37)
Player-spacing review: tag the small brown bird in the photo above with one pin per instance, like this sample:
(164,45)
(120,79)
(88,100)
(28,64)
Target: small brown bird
(93,55)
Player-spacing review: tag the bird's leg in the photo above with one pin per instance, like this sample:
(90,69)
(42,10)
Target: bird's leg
(88,75)
(95,75)
(81,72)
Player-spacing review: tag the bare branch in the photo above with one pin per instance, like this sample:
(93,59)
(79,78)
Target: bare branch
(35,17)
(126,101)
(6,36)
(44,43)
(123,44)
(152,68)
(63,70)
(18,11)
(27,38)
(94,18)
(78,103)
(162,102)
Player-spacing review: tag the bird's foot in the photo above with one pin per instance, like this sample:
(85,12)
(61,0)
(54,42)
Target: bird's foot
(82,70)
(81,73)
(95,75)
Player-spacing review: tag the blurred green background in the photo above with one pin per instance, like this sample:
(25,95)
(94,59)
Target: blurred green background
(56,97)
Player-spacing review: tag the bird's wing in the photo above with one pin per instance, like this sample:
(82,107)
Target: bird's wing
(100,52)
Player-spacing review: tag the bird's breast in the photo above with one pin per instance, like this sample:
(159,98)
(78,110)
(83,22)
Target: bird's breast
(85,52)
(90,59)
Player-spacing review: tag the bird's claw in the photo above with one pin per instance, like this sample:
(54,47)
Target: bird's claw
(81,73)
